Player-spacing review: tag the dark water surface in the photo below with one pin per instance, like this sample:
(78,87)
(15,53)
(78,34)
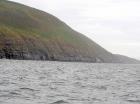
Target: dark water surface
(40,82)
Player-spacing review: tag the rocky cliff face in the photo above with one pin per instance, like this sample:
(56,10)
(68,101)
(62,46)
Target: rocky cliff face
(27,33)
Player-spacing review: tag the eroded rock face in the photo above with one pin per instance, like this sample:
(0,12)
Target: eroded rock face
(11,50)
(25,55)
(24,47)
(20,54)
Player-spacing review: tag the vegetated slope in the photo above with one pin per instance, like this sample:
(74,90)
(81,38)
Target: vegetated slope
(28,33)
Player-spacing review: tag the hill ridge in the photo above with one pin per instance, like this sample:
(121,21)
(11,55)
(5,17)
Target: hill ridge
(29,33)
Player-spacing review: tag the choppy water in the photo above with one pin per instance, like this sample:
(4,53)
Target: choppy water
(36,82)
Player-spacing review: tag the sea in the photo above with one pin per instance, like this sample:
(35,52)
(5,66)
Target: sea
(51,82)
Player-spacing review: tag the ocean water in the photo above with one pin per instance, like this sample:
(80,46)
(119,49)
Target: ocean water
(45,82)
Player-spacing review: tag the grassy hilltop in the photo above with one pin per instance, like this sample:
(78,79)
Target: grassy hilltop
(28,33)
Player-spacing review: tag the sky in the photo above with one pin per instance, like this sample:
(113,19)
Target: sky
(114,24)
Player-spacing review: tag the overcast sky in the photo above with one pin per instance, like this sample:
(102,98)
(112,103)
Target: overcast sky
(114,24)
